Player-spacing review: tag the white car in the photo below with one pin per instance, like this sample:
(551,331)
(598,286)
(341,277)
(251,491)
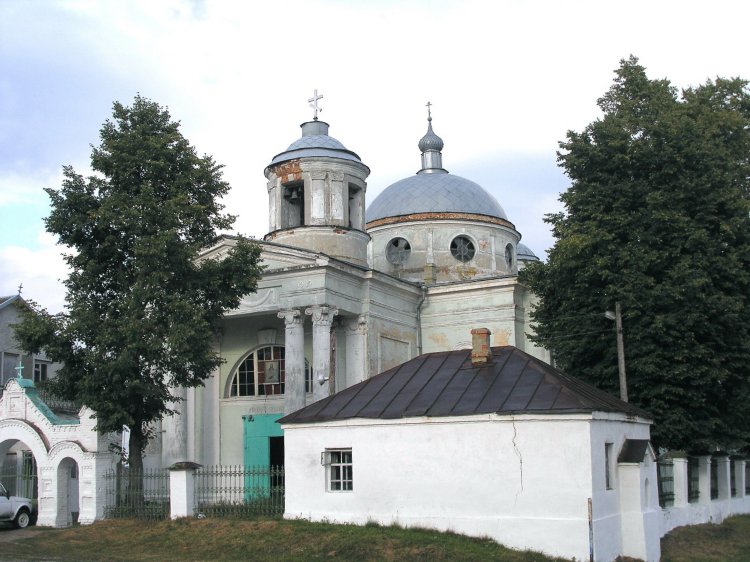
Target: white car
(14,508)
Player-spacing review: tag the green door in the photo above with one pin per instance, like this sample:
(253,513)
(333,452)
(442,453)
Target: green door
(259,430)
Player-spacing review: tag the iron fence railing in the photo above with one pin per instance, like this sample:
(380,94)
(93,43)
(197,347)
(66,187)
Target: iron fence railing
(54,402)
(665,479)
(714,479)
(240,491)
(693,479)
(140,495)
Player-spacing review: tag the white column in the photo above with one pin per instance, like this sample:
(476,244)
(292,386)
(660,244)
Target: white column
(722,466)
(322,317)
(704,479)
(739,477)
(174,443)
(294,358)
(680,481)
(356,350)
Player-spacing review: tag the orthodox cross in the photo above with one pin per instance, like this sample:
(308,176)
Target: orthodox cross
(20,287)
(20,369)
(314,103)
(429,113)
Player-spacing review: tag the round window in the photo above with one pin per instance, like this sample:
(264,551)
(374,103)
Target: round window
(397,251)
(509,255)
(462,248)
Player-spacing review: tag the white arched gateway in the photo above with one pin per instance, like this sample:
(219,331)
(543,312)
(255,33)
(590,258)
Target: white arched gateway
(68,454)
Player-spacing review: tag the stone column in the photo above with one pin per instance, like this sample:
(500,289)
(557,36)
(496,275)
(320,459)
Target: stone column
(356,349)
(722,466)
(704,479)
(680,481)
(322,317)
(739,477)
(174,443)
(294,358)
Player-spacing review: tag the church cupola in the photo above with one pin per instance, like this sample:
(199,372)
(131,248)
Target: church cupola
(316,190)
(431,145)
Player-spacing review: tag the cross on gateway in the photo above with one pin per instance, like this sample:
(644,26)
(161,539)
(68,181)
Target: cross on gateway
(20,369)
(314,103)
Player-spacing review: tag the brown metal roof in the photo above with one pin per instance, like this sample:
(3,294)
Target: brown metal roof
(447,384)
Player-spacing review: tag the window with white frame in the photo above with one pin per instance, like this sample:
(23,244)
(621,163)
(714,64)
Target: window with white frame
(339,470)
(263,373)
(608,451)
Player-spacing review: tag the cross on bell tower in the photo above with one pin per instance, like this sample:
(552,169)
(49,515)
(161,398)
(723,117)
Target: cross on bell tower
(314,104)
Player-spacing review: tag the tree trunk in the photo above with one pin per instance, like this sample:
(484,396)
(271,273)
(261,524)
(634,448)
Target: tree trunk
(135,473)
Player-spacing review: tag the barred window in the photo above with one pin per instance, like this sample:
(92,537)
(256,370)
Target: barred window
(263,373)
(462,248)
(339,469)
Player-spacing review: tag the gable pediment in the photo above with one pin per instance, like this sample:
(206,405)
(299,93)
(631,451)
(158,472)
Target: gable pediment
(273,256)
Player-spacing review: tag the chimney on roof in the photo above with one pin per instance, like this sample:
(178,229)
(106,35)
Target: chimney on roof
(481,352)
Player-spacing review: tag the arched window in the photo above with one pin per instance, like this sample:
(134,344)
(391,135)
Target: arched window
(263,373)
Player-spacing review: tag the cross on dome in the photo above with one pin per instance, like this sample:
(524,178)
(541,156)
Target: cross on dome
(429,112)
(314,104)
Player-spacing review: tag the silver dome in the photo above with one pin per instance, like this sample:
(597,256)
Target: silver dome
(434,193)
(315,142)
(524,253)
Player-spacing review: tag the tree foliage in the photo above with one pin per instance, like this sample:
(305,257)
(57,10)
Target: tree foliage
(657,218)
(142,311)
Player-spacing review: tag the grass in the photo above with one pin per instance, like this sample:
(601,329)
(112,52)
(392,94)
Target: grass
(279,540)
(258,540)
(728,542)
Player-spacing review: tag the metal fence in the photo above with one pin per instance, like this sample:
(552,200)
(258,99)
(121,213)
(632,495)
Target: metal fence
(693,479)
(239,491)
(665,478)
(142,495)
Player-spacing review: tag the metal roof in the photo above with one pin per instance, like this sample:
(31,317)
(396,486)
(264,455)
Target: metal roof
(524,253)
(447,384)
(434,193)
(315,141)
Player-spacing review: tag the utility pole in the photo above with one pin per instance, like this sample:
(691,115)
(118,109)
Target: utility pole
(617,317)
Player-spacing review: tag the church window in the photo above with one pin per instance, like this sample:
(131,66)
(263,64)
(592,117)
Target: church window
(509,255)
(608,449)
(40,372)
(339,469)
(462,248)
(397,251)
(293,205)
(263,373)
(356,204)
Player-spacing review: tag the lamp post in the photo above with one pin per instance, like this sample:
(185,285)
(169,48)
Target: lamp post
(617,317)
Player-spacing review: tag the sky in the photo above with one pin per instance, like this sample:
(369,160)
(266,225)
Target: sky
(506,79)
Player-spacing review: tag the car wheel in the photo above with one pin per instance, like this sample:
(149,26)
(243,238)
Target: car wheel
(22,520)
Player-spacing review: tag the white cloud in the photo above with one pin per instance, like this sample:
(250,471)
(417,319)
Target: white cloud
(40,271)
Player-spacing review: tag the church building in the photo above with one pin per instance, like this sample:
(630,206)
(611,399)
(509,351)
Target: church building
(349,291)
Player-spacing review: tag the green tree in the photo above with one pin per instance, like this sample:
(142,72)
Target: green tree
(657,218)
(142,310)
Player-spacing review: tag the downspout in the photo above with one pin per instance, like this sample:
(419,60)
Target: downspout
(419,318)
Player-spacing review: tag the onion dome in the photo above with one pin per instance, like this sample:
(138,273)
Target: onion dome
(524,253)
(433,190)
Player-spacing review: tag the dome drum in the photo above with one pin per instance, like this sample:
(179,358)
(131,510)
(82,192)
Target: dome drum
(443,252)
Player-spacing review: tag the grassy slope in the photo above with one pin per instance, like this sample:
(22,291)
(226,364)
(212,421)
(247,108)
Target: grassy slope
(275,540)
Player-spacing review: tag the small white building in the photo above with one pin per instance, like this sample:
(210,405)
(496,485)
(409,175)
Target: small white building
(496,444)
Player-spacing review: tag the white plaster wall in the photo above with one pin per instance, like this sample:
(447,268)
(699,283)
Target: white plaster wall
(430,242)
(522,482)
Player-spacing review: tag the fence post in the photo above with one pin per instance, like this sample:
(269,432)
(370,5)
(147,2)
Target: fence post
(680,475)
(182,489)
(704,479)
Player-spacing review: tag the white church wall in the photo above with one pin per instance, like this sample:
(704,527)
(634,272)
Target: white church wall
(524,481)
(451,310)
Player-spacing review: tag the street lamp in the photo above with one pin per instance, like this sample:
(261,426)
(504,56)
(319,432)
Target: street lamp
(617,317)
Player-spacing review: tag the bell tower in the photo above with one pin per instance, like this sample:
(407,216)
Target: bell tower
(316,192)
